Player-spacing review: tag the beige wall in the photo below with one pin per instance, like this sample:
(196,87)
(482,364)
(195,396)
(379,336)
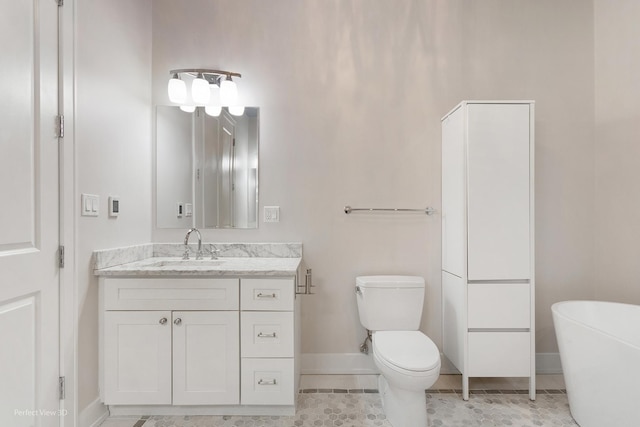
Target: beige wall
(351,95)
(617,150)
(113,149)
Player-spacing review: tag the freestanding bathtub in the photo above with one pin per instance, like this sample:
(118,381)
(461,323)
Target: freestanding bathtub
(600,352)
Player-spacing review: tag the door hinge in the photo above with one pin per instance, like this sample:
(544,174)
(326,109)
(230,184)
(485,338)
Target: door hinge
(60,126)
(234,142)
(61,257)
(60,2)
(61,388)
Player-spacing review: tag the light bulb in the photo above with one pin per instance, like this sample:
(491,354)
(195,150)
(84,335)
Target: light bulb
(177,90)
(236,110)
(188,108)
(213,110)
(228,92)
(200,91)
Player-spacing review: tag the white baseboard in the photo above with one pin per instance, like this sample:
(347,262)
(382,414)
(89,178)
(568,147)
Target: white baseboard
(362,364)
(337,364)
(93,415)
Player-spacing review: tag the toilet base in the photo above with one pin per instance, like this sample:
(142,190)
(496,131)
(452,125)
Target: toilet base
(403,408)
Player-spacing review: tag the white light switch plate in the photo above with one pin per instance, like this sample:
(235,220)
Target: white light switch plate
(272,214)
(90,205)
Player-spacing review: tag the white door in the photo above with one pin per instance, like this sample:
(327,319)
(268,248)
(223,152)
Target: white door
(206,358)
(29,218)
(137,357)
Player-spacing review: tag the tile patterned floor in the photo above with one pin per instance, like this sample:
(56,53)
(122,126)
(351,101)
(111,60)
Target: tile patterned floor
(360,406)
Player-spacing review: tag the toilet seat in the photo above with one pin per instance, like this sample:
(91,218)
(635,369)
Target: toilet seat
(407,352)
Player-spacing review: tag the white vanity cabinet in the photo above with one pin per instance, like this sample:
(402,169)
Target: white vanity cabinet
(488,282)
(170,341)
(198,345)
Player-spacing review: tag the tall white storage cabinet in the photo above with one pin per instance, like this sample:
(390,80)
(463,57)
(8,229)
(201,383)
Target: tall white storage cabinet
(488,240)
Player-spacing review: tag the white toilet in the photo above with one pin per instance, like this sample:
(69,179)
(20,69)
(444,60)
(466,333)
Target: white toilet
(391,307)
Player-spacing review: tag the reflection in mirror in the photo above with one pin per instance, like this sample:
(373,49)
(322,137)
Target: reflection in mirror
(206,169)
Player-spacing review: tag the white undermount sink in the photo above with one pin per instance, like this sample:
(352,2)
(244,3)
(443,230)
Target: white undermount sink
(186,263)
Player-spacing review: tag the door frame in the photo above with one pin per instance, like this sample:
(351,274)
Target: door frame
(68,306)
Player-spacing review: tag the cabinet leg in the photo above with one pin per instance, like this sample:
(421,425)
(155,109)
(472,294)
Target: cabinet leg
(465,387)
(532,387)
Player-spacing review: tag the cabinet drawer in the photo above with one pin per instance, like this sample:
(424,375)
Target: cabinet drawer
(267,382)
(267,333)
(499,354)
(171,294)
(499,306)
(267,294)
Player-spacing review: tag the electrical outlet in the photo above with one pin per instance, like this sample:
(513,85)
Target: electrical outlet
(272,214)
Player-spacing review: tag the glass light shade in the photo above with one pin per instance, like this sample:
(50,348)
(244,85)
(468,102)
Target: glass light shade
(188,108)
(213,110)
(236,110)
(200,91)
(177,90)
(214,90)
(228,92)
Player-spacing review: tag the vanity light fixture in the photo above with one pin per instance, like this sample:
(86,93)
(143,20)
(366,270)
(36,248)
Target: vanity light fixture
(211,89)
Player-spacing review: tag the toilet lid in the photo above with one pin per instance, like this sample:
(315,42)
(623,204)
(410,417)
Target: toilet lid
(410,350)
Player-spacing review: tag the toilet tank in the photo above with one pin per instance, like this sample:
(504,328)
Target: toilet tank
(390,303)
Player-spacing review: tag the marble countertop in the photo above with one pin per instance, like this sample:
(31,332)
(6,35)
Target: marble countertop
(224,266)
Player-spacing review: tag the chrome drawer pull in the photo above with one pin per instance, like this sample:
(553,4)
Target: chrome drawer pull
(271,335)
(263,382)
(163,321)
(177,321)
(261,295)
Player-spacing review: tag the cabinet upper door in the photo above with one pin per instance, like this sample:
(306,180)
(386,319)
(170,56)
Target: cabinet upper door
(498,191)
(453,180)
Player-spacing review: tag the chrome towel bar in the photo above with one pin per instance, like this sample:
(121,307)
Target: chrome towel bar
(427,210)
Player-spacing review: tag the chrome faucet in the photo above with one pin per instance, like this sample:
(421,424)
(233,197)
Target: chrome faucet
(185,255)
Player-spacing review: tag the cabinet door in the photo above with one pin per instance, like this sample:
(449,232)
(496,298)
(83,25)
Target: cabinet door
(498,191)
(453,179)
(137,357)
(206,358)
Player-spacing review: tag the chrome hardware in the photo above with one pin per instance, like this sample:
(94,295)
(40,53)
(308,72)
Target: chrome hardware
(428,210)
(213,252)
(308,284)
(177,321)
(364,347)
(271,335)
(185,255)
(163,321)
(271,382)
(261,295)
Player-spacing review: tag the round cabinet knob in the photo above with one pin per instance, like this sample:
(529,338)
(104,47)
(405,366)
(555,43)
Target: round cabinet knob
(177,321)
(163,321)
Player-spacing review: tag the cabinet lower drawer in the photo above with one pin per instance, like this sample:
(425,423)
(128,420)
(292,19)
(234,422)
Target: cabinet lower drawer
(267,333)
(267,382)
(499,354)
(170,294)
(499,305)
(267,294)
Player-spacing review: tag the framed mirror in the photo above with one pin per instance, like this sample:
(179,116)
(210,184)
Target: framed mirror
(206,168)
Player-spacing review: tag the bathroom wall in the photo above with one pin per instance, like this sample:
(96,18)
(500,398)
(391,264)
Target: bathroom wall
(617,150)
(351,95)
(113,152)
